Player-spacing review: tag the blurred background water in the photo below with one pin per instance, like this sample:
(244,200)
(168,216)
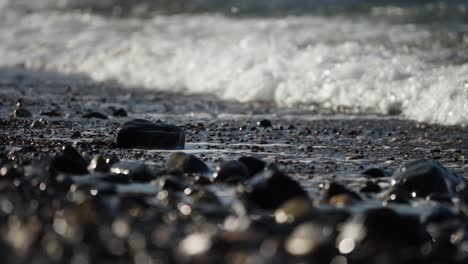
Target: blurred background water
(375,56)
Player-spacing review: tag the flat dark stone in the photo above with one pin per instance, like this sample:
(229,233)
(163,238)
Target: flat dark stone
(95,115)
(140,133)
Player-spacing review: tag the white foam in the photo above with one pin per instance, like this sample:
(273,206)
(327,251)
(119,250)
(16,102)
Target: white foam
(333,62)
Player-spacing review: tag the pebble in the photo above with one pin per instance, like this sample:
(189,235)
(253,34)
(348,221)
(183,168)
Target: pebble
(69,161)
(95,115)
(369,232)
(186,163)
(54,113)
(141,133)
(426,178)
(253,165)
(265,123)
(37,124)
(376,173)
(120,113)
(99,164)
(22,112)
(172,183)
(331,189)
(270,189)
(311,240)
(231,172)
(135,171)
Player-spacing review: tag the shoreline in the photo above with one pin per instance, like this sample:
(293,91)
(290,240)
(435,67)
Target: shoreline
(312,152)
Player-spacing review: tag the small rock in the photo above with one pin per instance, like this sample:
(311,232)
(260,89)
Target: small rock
(75,134)
(50,113)
(331,189)
(231,171)
(69,161)
(254,165)
(371,187)
(264,123)
(120,113)
(95,115)
(135,171)
(186,163)
(172,183)
(294,210)
(425,178)
(376,173)
(98,164)
(309,239)
(270,189)
(22,112)
(37,124)
(141,133)
(379,229)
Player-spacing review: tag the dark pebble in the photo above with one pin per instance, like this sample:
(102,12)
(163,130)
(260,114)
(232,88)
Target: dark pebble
(171,183)
(270,189)
(135,171)
(99,164)
(54,113)
(120,113)
(141,133)
(37,124)
(95,115)
(264,123)
(331,189)
(22,112)
(231,172)
(186,163)
(69,161)
(371,187)
(376,173)
(423,178)
(253,165)
(382,227)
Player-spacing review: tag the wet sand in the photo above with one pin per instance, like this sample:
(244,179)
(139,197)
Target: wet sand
(312,147)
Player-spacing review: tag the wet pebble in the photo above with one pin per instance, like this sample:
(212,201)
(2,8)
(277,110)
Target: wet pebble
(95,115)
(69,161)
(231,172)
(141,133)
(120,113)
(331,189)
(134,171)
(376,173)
(426,179)
(37,124)
(265,123)
(253,165)
(99,164)
(373,230)
(186,163)
(171,183)
(270,189)
(22,112)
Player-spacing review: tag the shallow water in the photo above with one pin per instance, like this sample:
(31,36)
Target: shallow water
(380,58)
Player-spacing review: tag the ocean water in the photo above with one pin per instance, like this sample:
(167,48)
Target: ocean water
(380,57)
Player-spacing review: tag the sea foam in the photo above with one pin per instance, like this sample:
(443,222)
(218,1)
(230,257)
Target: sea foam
(361,64)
